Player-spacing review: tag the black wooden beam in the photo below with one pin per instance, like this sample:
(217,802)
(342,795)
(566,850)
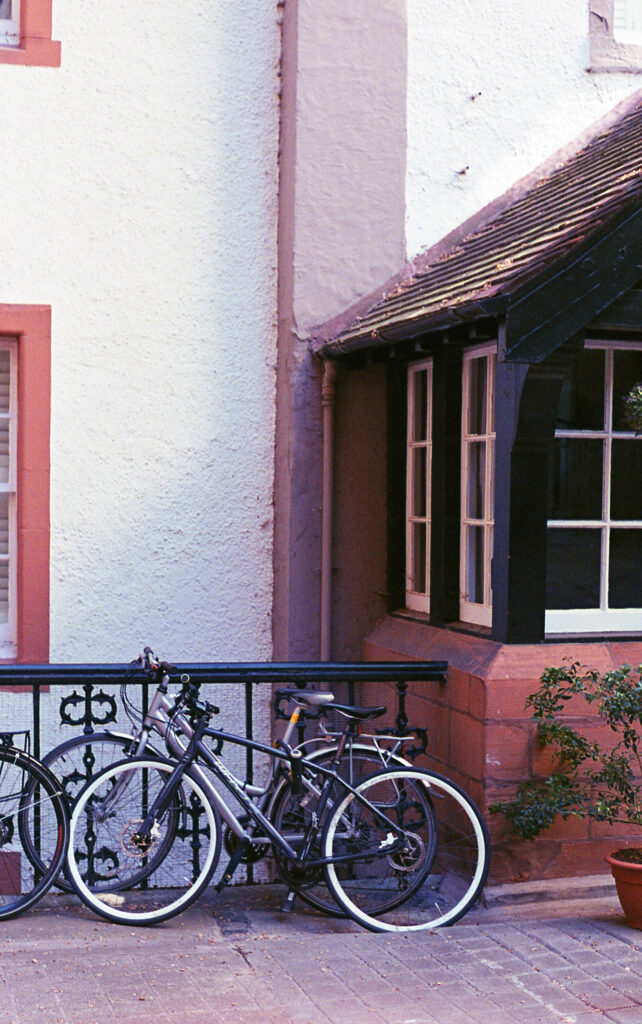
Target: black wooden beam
(625,314)
(569,297)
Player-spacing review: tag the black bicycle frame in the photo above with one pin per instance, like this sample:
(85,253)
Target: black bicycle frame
(197,752)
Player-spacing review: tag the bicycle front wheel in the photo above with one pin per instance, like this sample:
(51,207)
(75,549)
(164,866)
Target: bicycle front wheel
(77,760)
(438,867)
(131,877)
(33,816)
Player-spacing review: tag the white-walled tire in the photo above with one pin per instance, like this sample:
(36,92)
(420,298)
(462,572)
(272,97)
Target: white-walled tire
(444,862)
(136,883)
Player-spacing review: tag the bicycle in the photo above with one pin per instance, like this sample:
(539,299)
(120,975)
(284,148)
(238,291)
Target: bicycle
(402,849)
(80,758)
(33,816)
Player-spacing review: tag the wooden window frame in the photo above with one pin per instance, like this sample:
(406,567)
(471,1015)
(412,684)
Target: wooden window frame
(31,326)
(478,612)
(602,620)
(36,47)
(418,599)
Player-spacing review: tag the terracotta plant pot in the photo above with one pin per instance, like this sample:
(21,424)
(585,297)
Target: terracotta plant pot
(628,882)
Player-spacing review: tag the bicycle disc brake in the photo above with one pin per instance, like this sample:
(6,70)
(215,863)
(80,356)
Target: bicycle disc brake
(139,844)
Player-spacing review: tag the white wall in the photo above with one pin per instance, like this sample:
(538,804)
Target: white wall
(139,199)
(525,65)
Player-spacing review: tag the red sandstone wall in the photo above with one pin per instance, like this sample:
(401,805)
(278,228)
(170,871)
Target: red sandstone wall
(481,735)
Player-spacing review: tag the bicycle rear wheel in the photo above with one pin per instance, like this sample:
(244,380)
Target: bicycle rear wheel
(291,813)
(171,865)
(33,814)
(440,868)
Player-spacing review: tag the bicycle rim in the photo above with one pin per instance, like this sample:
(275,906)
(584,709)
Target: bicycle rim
(75,762)
(433,878)
(291,815)
(134,879)
(33,814)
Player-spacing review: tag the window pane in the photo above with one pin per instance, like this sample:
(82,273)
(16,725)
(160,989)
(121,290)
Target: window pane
(5,393)
(419,470)
(581,405)
(627,371)
(4,524)
(573,569)
(626,480)
(475,564)
(476,478)
(420,406)
(477,384)
(575,491)
(625,577)
(5,8)
(418,582)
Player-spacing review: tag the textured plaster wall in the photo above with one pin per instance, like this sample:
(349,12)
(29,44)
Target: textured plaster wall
(139,199)
(350,152)
(493,90)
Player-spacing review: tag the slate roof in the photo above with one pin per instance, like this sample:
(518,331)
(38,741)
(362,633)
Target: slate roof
(477,277)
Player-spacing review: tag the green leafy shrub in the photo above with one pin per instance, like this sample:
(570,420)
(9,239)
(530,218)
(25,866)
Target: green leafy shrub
(590,779)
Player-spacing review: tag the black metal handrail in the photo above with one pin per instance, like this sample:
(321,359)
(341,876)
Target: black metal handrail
(99,708)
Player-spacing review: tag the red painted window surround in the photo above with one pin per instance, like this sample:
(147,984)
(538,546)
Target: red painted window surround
(31,325)
(36,45)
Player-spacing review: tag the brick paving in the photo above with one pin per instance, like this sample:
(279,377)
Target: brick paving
(237,958)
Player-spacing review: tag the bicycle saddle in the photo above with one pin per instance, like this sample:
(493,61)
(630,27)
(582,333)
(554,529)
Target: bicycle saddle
(360,714)
(314,698)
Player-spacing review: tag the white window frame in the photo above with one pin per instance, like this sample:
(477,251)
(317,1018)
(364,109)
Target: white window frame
(627,21)
(10,27)
(477,612)
(418,598)
(602,619)
(8,629)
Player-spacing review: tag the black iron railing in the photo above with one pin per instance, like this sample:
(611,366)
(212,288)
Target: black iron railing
(88,704)
(78,699)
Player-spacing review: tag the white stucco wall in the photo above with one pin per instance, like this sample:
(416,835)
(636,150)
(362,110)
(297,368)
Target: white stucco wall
(413,116)
(350,152)
(493,89)
(139,200)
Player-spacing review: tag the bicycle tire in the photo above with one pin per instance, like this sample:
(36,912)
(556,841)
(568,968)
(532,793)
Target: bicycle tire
(191,846)
(290,814)
(33,810)
(451,877)
(77,760)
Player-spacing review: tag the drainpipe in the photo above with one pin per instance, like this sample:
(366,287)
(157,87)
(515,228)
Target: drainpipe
(328,395)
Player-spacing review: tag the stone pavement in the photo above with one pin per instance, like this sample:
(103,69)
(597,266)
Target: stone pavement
(530,955)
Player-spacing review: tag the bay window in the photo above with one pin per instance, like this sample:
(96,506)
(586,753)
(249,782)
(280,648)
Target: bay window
(594,583)
(418,485)
(477,475)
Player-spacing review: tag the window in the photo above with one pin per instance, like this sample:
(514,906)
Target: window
(9,22)
(615,35)
(25,379)
(8,539)
(593,580)
(25,33)
(418,461)
(477,474)
(627,21)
